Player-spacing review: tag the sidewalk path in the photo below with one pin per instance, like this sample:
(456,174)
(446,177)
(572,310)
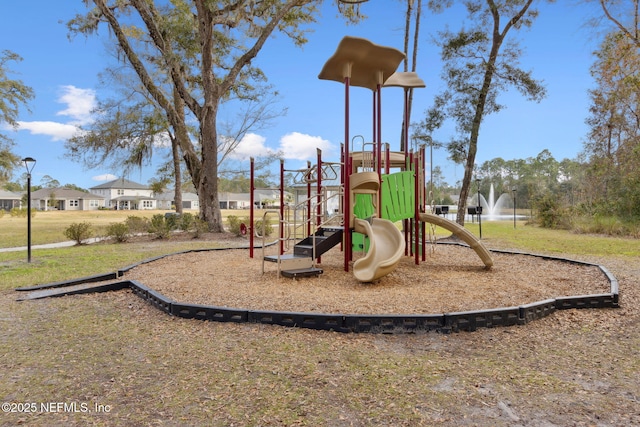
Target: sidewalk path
(50,245)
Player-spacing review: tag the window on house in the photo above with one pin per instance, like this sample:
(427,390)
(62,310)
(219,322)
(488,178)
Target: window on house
(73,203)
(120,192)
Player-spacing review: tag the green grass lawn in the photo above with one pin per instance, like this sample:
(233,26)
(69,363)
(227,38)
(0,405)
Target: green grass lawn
(576,367)
(49,226)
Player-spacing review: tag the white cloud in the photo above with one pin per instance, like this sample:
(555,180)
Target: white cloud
(57,131)
(300,146)
(162,140)
(252,145)
(80,104)
(104,177)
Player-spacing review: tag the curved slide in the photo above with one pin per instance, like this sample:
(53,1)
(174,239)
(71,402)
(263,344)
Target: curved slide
(386,247)
(462,233)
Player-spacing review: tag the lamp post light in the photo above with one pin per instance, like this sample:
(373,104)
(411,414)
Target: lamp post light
(479,208)
(29,164)
(514,190)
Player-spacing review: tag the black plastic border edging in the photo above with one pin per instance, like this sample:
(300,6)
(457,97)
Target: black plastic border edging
(78,281)
(391,323)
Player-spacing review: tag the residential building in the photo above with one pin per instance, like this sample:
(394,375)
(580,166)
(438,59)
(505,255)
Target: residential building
(122,194)
(166,200)
(65,199)
(10,200)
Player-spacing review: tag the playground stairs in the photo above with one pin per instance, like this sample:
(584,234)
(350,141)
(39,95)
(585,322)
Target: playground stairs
(300,262)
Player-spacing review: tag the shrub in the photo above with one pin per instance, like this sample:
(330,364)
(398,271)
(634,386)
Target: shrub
(119,231)
(78,232)
(2,212)
(137,224)
(172,220)
(160,226)
(199,227)
(268,228)
(550,214)
(186,222)
(234,224)
(21,212)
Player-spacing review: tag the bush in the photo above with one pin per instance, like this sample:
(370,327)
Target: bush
(119,231)
(199,227)
(78,232)
(268,228)
(186,222)
(234,224)
(160,226)
(550,214)
(172,219)
(137,225)
(21,212)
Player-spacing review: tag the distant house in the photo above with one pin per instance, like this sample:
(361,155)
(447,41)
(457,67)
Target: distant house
(65,199)
(270,197)
(234,200)
(10,200)
(166,200)
(122,194)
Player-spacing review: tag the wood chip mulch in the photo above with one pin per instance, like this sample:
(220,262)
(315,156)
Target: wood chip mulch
(451,279)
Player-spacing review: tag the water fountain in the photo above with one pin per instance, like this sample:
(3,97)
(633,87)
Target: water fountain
(495,209)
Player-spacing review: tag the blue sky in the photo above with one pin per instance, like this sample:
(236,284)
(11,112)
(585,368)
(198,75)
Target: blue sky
(63,73)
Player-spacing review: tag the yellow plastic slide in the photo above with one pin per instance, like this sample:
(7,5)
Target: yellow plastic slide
(463,233)
(386,247)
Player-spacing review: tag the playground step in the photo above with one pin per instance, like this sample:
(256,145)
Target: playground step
(324,239)
(291,261)
(302,272)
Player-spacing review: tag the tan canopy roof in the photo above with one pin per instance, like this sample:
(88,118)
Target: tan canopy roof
(365,63)
(405,80)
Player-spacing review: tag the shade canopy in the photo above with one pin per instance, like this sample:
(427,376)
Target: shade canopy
(365,63)
(405,80)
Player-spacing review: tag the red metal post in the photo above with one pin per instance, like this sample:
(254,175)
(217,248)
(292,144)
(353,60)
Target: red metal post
(347,172)
(319,193)
(281,225)
(251,198)
(308,213)
(416,163)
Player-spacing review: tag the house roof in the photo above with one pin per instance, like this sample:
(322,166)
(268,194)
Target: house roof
(10,195)
(64,193)
(121,183)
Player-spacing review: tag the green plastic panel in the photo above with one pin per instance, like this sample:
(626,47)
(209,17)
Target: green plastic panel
(398,196)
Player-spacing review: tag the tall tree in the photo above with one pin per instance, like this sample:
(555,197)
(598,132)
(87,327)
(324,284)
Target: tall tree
(625,16)
(479,63)
(613,141)
(206,47)
(14,94)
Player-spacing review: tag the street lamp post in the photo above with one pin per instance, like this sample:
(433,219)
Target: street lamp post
(479,208)
(29,164)
(514,206)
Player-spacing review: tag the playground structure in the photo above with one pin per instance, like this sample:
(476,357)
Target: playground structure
(375,187)
(369,203)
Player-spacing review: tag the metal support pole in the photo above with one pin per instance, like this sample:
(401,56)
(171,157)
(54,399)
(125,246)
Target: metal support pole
(29,164)
(29,217)
(514,207)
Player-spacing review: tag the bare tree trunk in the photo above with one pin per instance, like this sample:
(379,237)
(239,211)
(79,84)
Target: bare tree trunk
(496,42)
(175,152)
